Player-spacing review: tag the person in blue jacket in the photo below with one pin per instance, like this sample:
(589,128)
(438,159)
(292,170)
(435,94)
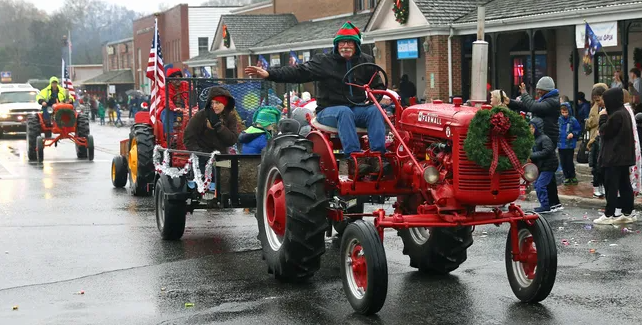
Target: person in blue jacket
(255,138)
(570,131)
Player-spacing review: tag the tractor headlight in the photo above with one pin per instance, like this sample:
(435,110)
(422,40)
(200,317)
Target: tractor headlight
(431,175)
(50,109)
(4,116)
(530,172)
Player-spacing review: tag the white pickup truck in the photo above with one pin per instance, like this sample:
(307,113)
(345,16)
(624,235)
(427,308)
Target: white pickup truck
(17,102)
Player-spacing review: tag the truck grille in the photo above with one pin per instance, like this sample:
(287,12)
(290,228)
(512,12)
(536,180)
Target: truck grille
(475,178)
(24,111)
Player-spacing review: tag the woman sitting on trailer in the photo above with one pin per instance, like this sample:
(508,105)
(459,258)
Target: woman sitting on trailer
(213,128)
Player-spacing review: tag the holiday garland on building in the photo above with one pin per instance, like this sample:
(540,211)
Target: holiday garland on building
(400,8)
(226,37)
(496,126)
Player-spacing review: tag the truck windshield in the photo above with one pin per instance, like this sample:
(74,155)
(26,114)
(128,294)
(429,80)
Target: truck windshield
(18,97)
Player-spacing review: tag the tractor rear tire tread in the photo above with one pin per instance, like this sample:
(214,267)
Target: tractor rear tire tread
(33,132)
(443,252)
(144,135)
(82,131)
(299,256)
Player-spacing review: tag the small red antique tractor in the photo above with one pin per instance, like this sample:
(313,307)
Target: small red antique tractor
(439,189)
(66,123)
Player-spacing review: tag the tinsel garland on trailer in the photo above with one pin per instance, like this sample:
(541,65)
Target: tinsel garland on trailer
(192,164)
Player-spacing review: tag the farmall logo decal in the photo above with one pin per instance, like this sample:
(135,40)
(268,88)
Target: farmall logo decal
(429,118)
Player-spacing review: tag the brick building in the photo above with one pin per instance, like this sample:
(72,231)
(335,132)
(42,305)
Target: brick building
(185,32)
(117,76)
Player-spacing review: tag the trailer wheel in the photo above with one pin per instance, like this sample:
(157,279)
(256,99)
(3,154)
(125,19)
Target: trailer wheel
(532,280)
(170,214)
(119,171)
(291,208)
(364,269)
(140,159)
(33,132)
(40,148)
(438,250)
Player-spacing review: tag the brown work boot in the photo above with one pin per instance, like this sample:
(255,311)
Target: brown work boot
(387,166)
(364,168)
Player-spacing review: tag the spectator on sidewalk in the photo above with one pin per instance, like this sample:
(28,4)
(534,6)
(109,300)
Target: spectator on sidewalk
(544,158)
(635,88)
(499,98)
(616,156)
(583,109)
(101,111)
(547,107)
(593,145)
(570,130)
(634,171)
(617,79)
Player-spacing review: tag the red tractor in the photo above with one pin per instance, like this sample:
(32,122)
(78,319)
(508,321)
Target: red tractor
(66,123)
(301,191)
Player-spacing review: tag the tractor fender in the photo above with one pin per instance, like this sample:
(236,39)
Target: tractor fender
(142,117)
(175,188)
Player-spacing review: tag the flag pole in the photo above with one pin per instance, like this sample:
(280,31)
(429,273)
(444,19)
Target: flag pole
(603,51)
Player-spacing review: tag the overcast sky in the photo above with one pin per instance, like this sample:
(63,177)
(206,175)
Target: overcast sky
(145,6)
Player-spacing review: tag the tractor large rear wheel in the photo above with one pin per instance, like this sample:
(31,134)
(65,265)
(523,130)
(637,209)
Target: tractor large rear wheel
(140,161)
(438,250)
(33,132)
(291,208)
(82,131)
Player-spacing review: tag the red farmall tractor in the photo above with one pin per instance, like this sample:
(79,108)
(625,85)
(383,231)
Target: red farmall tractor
(66,123)
(440,193)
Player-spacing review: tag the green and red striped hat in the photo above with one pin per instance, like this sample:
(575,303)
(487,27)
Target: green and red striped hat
(348,32)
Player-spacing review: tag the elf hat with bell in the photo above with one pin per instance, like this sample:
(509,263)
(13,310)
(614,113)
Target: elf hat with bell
(348,32)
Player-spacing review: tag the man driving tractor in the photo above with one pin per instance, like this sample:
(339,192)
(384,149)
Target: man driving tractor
(50,95)
(333,108)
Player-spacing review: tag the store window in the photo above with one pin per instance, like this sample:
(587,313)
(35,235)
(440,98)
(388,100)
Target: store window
(522,71)
(361,5)
(202,45)
(605,69)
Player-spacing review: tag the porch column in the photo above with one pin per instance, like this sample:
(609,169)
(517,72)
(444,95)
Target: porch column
(624,35)
(531,38)
(495,67)
(220,67)
(383,58)
(576,61)
(241,64)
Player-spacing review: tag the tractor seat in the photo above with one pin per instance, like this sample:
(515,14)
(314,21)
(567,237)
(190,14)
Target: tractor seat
(329,129)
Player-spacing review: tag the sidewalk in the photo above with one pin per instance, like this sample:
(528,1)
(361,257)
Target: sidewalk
(581,195)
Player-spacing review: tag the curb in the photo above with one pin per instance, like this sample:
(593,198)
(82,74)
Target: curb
(584,202)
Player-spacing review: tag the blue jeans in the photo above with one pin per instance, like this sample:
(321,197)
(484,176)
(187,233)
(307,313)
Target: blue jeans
(347,119)
(540,188)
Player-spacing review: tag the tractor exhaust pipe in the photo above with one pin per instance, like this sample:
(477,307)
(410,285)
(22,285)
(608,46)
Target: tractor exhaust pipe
(479,78)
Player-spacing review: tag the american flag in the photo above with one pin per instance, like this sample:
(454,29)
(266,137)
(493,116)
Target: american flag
(66,81)
(156,73)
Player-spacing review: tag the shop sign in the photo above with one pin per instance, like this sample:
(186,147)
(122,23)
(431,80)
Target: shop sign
(606,33)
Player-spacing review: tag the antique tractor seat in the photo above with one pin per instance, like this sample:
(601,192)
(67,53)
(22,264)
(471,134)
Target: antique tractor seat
(329,129)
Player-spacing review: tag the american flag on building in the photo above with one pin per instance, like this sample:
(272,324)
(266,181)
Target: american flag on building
(156,73)
(66,81)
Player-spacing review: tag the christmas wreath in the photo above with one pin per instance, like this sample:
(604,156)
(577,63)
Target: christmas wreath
(65,118)
(495,126)
(226,37)
(400,8)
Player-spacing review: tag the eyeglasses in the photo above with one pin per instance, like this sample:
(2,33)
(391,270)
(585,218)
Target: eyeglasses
(345,42)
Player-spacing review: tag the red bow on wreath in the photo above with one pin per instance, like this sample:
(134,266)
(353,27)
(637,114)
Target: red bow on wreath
(500,125)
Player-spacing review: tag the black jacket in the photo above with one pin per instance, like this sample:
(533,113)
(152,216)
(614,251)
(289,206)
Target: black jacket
(329,69)
(223,134)
(543,155)
(616,131)
(548,110)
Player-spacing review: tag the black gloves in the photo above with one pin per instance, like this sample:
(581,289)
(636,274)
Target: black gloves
(213,118)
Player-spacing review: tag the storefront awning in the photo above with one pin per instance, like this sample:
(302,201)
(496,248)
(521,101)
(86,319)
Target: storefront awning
(115,77)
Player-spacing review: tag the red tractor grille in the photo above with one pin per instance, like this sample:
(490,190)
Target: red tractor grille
(474,178)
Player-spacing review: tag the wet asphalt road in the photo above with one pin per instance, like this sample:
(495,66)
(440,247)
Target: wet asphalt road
(65,229)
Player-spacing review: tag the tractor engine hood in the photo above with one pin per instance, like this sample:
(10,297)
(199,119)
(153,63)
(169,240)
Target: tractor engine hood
(436,119)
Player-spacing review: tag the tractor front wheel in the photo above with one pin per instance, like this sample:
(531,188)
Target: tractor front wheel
(532,278)
(33,132)
(40,148)
(170,214)
(140,159)
(364,269)
(438,250)
(119,171)
(291,208)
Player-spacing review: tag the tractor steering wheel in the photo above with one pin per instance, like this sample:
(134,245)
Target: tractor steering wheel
(370,67)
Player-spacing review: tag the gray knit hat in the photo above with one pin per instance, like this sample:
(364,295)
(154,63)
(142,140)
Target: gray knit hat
(546,83)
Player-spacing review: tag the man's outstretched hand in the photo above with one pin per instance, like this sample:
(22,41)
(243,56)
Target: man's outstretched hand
(256,71)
